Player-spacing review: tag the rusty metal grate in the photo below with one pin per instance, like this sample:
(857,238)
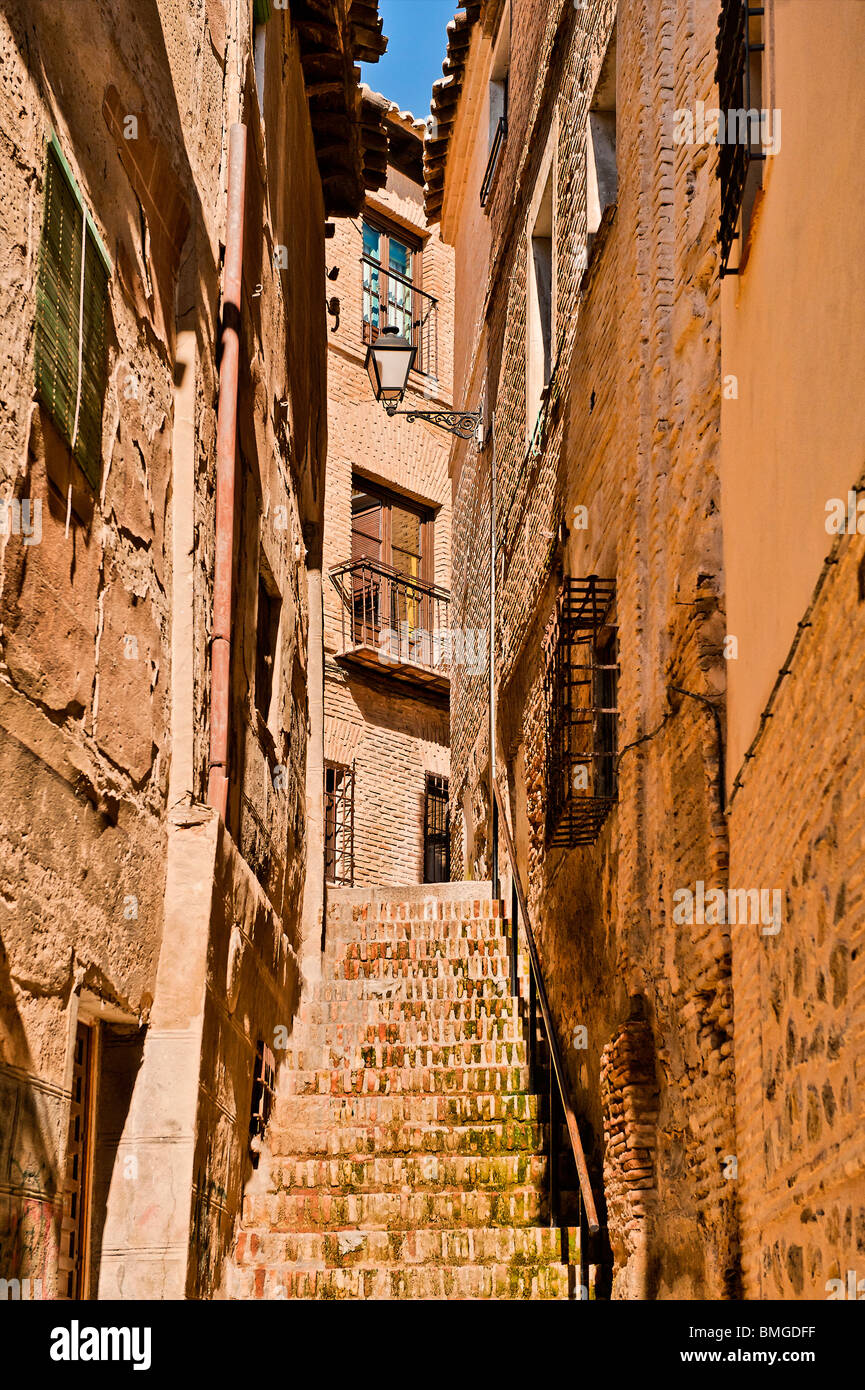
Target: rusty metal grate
(436,830)
(735,43)
(580,682)
(339,824)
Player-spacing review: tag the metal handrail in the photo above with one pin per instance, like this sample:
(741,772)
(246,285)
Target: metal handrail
(558,1066)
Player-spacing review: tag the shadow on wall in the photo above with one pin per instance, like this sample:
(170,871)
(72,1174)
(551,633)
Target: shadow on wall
(31,1120)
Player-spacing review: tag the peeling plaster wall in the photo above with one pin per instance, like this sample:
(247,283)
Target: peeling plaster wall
(87,615)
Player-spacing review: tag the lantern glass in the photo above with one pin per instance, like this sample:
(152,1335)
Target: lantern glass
(389,360)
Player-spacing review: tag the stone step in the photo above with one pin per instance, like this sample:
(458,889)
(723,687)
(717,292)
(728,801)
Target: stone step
(406,1031)
(468,1281)
(401,1080)
(393,1211)
(354,1055)
(371,930)
(426,909)
(474,967)
(343,1249)
(381,1010)
(451,948)
(404,985)
(349,1139)
(395,1174)
(331,1111)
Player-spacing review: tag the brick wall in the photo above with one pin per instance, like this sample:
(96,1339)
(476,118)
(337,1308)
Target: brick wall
(393,735)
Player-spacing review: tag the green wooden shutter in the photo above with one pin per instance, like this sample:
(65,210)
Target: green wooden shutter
(261,11)
(61,303)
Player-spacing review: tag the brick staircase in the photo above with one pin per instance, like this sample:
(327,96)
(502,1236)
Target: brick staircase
(405,1154)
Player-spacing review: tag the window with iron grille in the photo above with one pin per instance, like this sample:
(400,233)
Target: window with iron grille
(580,685)
(740,94)
(339,824)
(436,832)
(263,1088)
(71,307)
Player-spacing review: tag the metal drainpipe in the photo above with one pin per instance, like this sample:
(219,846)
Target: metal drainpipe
(226,446)
(494,809)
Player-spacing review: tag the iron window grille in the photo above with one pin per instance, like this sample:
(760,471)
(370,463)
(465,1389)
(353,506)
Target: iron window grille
(739,37)
(263,1090)
(580,694)
(71,307)
(339,824)
(436,832)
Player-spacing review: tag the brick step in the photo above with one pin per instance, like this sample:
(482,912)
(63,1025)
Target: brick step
(399,1056)
(400,1080)
(387,1012)
(476,967)
(351,1140)
(405,986)
(470,929)
(468,1281)
(406,1032)
(407,1109)
(343,1249)
(396,1173)
(399,910)
(451,948)
(393,1211)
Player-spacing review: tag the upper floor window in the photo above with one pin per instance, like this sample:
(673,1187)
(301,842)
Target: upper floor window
(392,531)
(601,171)
(391,270)
(71,308)
(498,101)
(745,129)
(539,317)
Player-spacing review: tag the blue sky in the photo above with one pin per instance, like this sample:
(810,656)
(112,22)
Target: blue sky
(416,48)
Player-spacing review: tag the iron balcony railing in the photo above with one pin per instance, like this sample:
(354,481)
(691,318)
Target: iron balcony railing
(492,163)
(404,620)
(391,299)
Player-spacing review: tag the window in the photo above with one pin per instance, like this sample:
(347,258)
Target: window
(392,295)
(498,102)
(263,1089)
(395,537)
(601,172)
(539,345)
(339,824)
(741,133)
(436,832)
(266,647)
(71,303)
(580,693)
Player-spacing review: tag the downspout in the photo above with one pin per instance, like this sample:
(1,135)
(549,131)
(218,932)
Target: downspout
(314,890)
(226,447)
(494,808)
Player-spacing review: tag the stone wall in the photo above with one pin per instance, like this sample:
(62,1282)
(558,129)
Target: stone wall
(106,619)
(628,431)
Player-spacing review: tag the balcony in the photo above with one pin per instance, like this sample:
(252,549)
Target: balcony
(394,624)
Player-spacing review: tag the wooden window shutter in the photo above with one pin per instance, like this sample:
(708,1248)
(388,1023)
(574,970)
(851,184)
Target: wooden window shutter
(71,369)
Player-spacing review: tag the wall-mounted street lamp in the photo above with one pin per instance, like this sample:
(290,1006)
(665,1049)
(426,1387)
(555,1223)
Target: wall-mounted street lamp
(389,360)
